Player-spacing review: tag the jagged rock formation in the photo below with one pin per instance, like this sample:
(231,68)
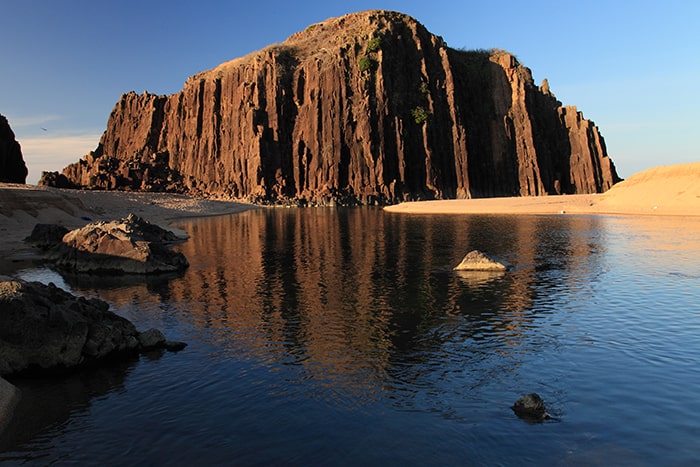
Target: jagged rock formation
(370,108)
(12,166)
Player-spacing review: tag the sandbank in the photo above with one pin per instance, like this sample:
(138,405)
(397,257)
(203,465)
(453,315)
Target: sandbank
(672,190)
(24,206)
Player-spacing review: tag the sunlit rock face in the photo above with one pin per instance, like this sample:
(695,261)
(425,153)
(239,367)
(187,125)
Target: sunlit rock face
(12,166)
(368,108)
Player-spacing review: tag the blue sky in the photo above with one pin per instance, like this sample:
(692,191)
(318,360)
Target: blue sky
(631,67)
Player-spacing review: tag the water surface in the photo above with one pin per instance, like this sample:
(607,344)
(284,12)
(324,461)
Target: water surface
(342,336)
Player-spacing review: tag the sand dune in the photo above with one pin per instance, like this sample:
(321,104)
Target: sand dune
(666,190)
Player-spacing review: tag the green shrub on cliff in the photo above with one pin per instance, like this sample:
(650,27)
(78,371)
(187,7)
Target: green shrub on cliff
(419,114)
(374,44)
(367,63)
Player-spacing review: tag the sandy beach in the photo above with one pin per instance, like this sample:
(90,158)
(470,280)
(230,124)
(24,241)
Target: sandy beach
(672,190)
(24,206)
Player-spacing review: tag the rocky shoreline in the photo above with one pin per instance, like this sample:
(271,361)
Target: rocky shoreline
(45,330)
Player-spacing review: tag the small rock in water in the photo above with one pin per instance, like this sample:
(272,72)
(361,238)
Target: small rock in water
(478,261)
(530,407)
(151,339)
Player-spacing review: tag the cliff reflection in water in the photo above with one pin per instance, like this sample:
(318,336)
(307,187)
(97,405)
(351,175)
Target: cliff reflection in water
(353,295)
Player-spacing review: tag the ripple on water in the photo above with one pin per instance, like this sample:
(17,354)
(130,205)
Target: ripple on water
(343,336)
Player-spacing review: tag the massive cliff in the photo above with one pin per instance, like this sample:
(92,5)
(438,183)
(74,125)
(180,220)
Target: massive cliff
(12,166)
(366,108)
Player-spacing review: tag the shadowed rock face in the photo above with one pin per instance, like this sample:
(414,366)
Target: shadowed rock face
(46,330)
(366,108)
(12,166)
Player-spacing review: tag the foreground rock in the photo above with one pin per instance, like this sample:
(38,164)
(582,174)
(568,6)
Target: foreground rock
(46,329)
(478,261)
(12,166)
(530,407)
(130,245)
(367,108)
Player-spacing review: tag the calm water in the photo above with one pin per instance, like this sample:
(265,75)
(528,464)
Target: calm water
(342,337)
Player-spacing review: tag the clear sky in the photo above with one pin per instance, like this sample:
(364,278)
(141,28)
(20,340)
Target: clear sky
(631,67)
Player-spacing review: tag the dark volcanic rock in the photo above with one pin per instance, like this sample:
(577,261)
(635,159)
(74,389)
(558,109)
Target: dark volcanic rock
(129,245)
(46,329)
(366,108)
(12,166)
(530,407)
(56,180)
(46,236)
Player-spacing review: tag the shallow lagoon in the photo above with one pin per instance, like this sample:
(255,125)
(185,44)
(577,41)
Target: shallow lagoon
(342,336)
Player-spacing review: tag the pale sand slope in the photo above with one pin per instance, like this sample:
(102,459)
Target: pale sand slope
(665,190)
(24,206)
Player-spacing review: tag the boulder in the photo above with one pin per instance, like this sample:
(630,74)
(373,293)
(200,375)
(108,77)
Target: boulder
(475,260)
(151,339)
(129,245)
(530,407)
(46,329)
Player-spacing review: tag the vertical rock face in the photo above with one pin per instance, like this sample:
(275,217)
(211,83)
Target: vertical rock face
(12,166)
(366,108)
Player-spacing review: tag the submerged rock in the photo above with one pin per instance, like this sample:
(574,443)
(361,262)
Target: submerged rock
(129,245)
(530,407)
(478,261)
(46,329)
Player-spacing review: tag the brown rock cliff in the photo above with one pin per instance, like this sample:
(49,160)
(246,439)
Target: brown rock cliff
(366,108)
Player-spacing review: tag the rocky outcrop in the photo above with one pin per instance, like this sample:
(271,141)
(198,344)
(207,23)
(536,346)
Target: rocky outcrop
(12,166)
(46,329)
(366,108)
(130,245)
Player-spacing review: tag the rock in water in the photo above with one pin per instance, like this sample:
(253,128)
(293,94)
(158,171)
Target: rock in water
(478,261)
(151,339)
(530,407)
(367,108)
(129,245)
(44,329)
